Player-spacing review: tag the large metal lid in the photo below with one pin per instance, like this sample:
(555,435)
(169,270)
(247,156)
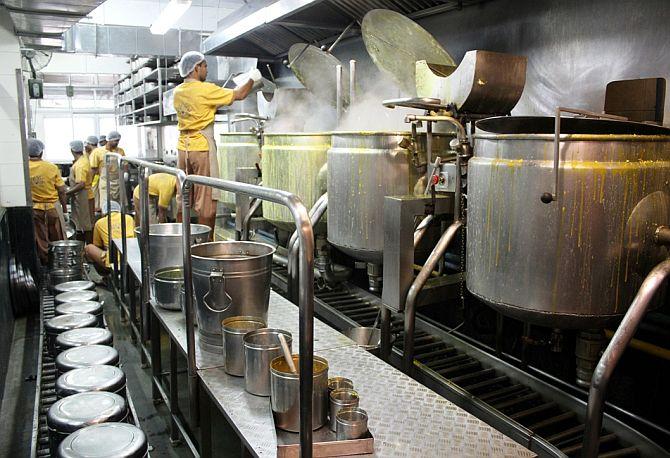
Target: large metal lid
(106,440)
(586,126)
(84,336)
(395,43)
(76,285)
(92,378)
(87,355)
(76,296)
(92,307)
(63,323)
(83,409)
(315,69)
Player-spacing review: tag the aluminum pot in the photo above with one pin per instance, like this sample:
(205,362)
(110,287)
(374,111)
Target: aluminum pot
(93,378)
(85,356)
(168,282)
(76,296)
(92,307)
(62,323)
(76,285)
(120,440)
(260,348)
(285,394)
(58,276)
(83,336)
(229,279)
(65,254)
(234,329)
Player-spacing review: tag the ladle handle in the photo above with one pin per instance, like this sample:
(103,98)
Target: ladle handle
(287,353)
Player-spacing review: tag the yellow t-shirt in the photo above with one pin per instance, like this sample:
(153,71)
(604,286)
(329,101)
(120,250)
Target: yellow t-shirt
(101,235)
(44,180)
(196,103)
(97,159)
(82,173)
(161,185)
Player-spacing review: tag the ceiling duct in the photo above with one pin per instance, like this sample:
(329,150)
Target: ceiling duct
(129,41)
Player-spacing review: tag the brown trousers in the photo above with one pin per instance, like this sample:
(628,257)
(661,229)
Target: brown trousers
(197,163)
(47,229)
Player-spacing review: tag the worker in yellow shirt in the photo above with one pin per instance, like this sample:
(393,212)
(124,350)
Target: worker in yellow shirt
(162,188)
(196,102)
(98,167)
(80,189)
(90,145)
(46,188)
(97,252)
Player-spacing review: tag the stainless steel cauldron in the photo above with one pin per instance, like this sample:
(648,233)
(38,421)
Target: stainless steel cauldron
(236,149)
(229,279)
(578,261)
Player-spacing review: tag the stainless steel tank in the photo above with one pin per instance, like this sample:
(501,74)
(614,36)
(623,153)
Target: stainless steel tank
(363,168)
(295,163)
(236,149)
(578,261)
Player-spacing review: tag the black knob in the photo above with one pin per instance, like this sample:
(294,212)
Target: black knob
(547,197)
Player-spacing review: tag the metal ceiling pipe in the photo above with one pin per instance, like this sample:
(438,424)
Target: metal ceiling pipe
(338,91)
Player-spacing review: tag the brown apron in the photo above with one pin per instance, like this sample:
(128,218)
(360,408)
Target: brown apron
(80,213)
(113,182)
(208,133)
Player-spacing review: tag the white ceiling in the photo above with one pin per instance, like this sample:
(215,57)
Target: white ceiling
(203,15)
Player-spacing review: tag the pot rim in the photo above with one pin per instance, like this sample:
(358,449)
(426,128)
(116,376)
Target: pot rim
(296,359)
(232,242)
(237,331)
(356,410)
(254,346)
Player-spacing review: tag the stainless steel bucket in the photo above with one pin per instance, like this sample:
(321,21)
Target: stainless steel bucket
(229,279)
(285,394)
(65,254)
(168,282)
(260,348)
(234,329)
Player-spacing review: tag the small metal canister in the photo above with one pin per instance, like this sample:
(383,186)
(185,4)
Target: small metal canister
(260,348)
(352,423)
(121,440)
(83,336)
(335,383)
(342,398)
(234,329)
(285,394)
(76,296)
(59,324)
(80,410)
(88,355)
(92,307)
(93,378)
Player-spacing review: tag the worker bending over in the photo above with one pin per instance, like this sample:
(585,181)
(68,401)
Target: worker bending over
(196,102)
(90,145)
(97,252)
(99,168)
(162,188)
(46,187)
(80,191)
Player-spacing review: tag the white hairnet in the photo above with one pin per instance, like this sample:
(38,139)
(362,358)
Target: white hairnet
(114,206)
(77,146)
(113,135)
(35,147)
(92,140)
(188,62)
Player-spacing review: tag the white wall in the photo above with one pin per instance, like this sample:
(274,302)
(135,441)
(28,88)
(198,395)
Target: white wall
(12,171)
(84,63)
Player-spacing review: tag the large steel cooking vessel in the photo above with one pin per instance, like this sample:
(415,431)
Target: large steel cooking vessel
(229,279)
(578,261)
(236,150)
(363,168)
(294,163)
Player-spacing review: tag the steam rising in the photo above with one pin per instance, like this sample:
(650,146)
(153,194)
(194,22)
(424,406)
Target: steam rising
(300,111)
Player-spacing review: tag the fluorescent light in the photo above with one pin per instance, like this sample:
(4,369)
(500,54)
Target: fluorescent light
(169,16)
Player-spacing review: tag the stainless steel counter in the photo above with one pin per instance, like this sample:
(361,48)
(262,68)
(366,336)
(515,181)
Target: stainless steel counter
(133,256)
(406,418)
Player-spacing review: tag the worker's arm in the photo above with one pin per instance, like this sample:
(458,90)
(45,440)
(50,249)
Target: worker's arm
(62,197)
(241,92)
(95,171)
(78,186)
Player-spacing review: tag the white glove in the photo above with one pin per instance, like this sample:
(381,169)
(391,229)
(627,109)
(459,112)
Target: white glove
(241,79)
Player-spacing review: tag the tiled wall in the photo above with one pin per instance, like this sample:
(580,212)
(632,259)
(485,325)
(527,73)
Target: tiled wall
(12,177)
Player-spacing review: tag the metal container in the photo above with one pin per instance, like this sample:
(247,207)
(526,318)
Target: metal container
(236,150)
(165,248)
(295,163)
(335,383)
(85,356)
(59,324)
(92,307)
(58,276)
(576,262)
(366,338)
(83,336)
(342,398)
(234,329)
(352,424)
(76,296)
(120,440)
(168,282)
(285,394)
(80,410)
(93,378)
(65,254)
(363,168)
(76,285)
(260,348)
(229,279)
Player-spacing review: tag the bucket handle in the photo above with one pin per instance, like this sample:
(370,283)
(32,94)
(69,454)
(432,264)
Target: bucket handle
(217,290)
